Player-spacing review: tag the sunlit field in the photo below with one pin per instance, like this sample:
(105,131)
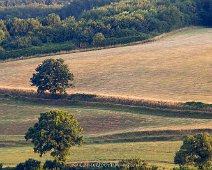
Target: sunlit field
(120,134)
(174,68)
(159,153)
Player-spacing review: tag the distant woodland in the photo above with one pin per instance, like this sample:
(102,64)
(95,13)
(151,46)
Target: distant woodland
(29,27)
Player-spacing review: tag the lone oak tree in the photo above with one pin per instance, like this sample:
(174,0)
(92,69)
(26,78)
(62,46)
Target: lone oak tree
(53,76)
(196,150)
(56,131)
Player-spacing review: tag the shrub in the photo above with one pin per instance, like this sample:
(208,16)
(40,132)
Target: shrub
(197,105)
(123,40)
(29,164)
(1,166)
(53,165)
(20,166)
(34,50)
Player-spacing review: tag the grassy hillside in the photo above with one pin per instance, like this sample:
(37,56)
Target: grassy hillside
(174,68)
(115,130)
(95,121)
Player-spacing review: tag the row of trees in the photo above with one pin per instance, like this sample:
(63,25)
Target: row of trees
(94,23)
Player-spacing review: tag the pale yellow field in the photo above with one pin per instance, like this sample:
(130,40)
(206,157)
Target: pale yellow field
(175,68)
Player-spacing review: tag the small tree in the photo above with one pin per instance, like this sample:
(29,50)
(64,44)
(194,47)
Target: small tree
(196,150)
(52,20)
(53,76)
(56,131)
(98,37)
(53,165)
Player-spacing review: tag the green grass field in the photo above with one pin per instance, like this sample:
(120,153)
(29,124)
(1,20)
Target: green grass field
(159,153)
(100,125)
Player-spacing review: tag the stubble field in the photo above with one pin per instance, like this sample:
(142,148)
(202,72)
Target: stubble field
(177,67)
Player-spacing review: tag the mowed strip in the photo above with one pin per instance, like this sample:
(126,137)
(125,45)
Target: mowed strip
(175,68)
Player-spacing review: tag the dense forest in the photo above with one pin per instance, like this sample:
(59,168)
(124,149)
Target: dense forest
(8,3)
(44,26)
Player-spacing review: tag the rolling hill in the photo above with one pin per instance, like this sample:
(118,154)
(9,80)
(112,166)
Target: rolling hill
(174,67)
(177,67)
(110,134)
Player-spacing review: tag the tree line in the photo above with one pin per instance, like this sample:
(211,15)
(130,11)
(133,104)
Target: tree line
(90,23)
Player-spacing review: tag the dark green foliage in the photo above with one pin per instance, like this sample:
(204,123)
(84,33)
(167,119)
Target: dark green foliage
(53,76)
(29,164)
(205,11)
(122,40)
(1,166)
(55,132)
(76,7)
(36,50)
(28,2)
(89,23)
(52,20)
(196,150)
(20,166)
(23,26)
(53,165)
(29,11)
(197,105)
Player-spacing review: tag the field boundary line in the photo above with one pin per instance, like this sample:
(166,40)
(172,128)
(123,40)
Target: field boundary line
(86,100)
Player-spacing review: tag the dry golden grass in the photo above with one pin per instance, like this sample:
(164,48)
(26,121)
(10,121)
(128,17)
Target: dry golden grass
(175,68)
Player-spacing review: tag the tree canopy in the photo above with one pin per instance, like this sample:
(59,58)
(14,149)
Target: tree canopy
(196,150)
(81,22)
(53,76)
(56,131)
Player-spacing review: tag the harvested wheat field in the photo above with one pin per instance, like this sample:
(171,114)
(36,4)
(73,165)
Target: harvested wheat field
(177,67)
